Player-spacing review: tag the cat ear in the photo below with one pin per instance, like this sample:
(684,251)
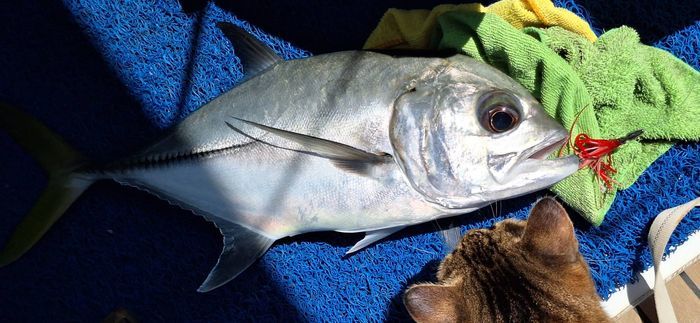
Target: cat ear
(432,303)
(550,233)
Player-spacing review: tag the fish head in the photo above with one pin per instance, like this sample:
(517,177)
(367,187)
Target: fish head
(465,134)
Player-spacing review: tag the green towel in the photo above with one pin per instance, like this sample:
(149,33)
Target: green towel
(621,85)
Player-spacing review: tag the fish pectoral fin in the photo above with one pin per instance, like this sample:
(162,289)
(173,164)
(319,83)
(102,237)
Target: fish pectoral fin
(254,55)
(343,156)
(242,247)
(372,237)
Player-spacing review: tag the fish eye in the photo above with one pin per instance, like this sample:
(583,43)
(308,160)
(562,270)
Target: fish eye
(500,113)
(501,118)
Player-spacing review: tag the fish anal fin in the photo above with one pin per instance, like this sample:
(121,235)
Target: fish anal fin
(254,55)
(242,247)
(372,237)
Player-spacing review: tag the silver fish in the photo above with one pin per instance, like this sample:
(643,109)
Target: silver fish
(349,142)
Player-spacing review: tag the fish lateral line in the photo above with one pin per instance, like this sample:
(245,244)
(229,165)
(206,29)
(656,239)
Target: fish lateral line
(159,160)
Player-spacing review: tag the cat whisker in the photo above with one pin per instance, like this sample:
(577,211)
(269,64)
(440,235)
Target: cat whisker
(496,208)
(450,235)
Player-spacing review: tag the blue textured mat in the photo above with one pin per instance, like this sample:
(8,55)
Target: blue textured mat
(111,77)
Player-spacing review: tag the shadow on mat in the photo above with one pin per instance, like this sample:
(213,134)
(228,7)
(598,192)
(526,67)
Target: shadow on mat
(320,26)
(397,311)
(115,247)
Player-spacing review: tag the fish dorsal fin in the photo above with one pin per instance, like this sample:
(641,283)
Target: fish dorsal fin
(343,156)
(372,237)
(255,56)
(242,247)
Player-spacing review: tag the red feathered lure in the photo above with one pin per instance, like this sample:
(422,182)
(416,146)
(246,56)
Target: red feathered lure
(595,153)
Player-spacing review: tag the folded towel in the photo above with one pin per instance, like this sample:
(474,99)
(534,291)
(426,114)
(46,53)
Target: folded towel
(627,86)
(632,86)
(414,29)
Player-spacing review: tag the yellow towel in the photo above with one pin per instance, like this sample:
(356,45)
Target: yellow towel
(414,29)
(540,13)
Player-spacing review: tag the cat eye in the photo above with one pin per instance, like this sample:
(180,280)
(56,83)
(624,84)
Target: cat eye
(499,112)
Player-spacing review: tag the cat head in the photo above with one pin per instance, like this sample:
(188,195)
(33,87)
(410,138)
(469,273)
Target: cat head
(515,271)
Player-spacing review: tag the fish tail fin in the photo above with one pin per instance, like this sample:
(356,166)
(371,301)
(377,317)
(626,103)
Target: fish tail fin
(64,184)
(242,247)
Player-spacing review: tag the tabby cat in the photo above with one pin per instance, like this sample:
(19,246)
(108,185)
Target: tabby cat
(516,271)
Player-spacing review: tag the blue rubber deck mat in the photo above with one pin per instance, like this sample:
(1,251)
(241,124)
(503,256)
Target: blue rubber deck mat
(111,76)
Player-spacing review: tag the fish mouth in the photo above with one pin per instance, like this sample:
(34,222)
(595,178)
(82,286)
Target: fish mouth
(535,172)
(505,168)
(534,163)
